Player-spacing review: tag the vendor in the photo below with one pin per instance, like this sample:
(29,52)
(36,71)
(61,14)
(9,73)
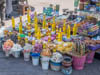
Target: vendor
(2,11)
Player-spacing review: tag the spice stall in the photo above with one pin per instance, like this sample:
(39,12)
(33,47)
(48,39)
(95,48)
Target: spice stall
(64,42)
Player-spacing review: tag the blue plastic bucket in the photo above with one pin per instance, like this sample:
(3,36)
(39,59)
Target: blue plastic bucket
(55,66)
(35,58)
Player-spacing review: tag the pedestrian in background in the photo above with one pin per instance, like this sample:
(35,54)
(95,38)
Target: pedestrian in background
(2,11)
(9,8)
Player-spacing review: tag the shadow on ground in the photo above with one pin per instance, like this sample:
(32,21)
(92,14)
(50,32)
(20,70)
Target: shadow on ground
(12,66)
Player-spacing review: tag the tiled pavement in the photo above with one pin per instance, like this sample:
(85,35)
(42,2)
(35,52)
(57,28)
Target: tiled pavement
(12,66)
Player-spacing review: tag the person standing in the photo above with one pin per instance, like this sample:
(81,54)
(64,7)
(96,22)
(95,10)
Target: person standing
(2,11)
(9,8)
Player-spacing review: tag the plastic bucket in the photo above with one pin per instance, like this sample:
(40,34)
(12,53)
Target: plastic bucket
(35,60)
(7,53)
(16,54)
(67,62)
(90,57)
(26,56)
(79,62)
(66,71)
(55,66)
(45,63)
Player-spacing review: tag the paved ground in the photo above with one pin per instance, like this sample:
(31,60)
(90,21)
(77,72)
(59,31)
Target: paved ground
(12,66)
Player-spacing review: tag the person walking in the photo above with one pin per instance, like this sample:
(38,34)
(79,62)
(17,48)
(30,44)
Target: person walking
(2,11)
(9,8)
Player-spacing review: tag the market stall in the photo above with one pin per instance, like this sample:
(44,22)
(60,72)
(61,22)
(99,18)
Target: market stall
(62,41)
